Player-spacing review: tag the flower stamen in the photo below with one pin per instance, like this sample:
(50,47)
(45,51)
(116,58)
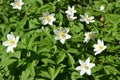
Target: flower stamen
(12,42)
(85,66)
(48,18)
(62,34)
(17,4)
(100,47)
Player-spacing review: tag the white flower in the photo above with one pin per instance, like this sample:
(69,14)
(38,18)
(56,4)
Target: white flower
(86,18)
(85,67)
(88,36)
(62,34)
(102,7)
(11,42)
(47,18)
(71,17)
(17,4)
(70,10)
(98,48)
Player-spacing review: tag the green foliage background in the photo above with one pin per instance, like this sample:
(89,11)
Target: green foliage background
(38,56)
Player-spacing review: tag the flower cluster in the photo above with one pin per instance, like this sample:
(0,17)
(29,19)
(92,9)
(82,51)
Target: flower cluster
(62,34)
(70,13)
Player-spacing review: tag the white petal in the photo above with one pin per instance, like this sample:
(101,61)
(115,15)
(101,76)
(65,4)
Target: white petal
(22,3)
(92,21)
(6,43)
(41,18)
(45,14)
(74,18)
(82,19)
(17,39)
(85,40)
(73,7)
(53,14)
(82,72)
(69,7)
(56,31)
(45,22)
(10,36)
(12,4)
(50,23)
(87,61)
(19,8)
(99,41)
(91,65)
(53,19)
(14,45)
(81,62)
(95,45)
(62,41)
(92,17)
(96,49)
(86,34)
(57,38)
(67,30)
(85,15)
(68,36)
(78,68)
(88,72)
(9,49)
(66,12)
(82,16)
(104,47)
(87,22)
(97,53)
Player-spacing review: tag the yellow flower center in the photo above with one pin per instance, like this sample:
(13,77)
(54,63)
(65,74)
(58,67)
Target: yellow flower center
(11,42)
(62,34)
(100,47)
(87,18)
(17,4)
(85,66)
(70,11)
(91,35)
(48,18)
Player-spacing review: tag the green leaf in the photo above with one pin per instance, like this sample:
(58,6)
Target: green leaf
(33,23)
(29,73)
(111,70)
(45,74)
(60,58)
(57,71)
(51,71)
(97,68)
(71,60)
(23,22)
(46,61)
(59,16)
(72,50)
